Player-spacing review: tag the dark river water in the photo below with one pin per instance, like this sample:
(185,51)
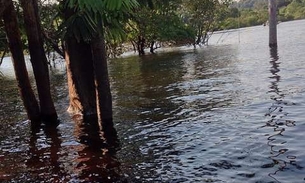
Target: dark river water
(230,112)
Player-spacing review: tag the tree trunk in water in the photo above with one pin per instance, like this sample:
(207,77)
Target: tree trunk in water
(80,74)
(198,39)
(4,53)
(272,23)
(80,77)
(75,106)
(15,45)
(38,59)
(199,35)
(152,47)
(141,45)
(102,81)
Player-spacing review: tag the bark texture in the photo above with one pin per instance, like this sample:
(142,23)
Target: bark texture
(88,80)
(80,77)
(102,80)
(272,23)
(15,45)
(38,59)
(3,5)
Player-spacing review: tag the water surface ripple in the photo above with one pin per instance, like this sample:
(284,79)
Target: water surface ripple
(229,112)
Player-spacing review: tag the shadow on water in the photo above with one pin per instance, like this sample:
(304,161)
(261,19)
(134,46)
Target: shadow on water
(278,120)
(43,154)
(96,160)
(47,157)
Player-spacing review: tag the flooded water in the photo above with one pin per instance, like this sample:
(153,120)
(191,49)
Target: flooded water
(229,112)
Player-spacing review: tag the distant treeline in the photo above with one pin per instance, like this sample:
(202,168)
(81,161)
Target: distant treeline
(255,12)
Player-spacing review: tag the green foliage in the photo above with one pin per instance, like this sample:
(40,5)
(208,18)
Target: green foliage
(168,28)
(98,6)
(295,10)
(87,17)
(255,12)
(158,20)
(205,16)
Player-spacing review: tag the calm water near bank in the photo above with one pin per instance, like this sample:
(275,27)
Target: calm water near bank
(229,112)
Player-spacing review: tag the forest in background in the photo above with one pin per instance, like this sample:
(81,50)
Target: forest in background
(155,23)
(247,13)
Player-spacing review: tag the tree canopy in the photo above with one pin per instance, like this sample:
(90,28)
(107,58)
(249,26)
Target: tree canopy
(170,22)
(255,12)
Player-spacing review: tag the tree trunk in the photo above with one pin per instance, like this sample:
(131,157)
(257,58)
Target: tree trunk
(3,5)
(15,45)
(38,59)
(272,23)
(80,77)
(152,46)
(102,80)
(4,53)
(80,74)
(75,106)
(199,35)
(54,44)
(141,45)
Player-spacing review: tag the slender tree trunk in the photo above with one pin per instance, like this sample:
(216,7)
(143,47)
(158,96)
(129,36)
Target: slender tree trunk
(199,35)
(38,59)
(272,23)
(102,80)
(54,44)
(80,77)
(4,53)
(15,45)
(3,5)
(152,46)
(134,43)
(141,45)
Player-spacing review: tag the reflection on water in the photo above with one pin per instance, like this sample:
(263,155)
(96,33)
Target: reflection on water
(43,154)
(96,160)
(88,156)
(225,113)
(279,120)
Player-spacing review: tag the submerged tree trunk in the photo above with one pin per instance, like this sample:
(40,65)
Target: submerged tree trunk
(141,45)
(80,74)
(198,39)
(152,47)
(15,45)
(199,35)
(88,80)
(102,80)
(272,23)
(80,77)
(38,59)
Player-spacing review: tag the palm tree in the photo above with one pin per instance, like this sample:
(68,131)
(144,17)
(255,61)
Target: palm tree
(88,80)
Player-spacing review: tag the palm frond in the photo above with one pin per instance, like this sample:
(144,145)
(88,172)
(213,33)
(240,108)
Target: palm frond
(89,15)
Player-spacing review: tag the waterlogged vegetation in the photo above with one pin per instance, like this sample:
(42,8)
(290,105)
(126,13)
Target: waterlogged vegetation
(161,23)
(186,114)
